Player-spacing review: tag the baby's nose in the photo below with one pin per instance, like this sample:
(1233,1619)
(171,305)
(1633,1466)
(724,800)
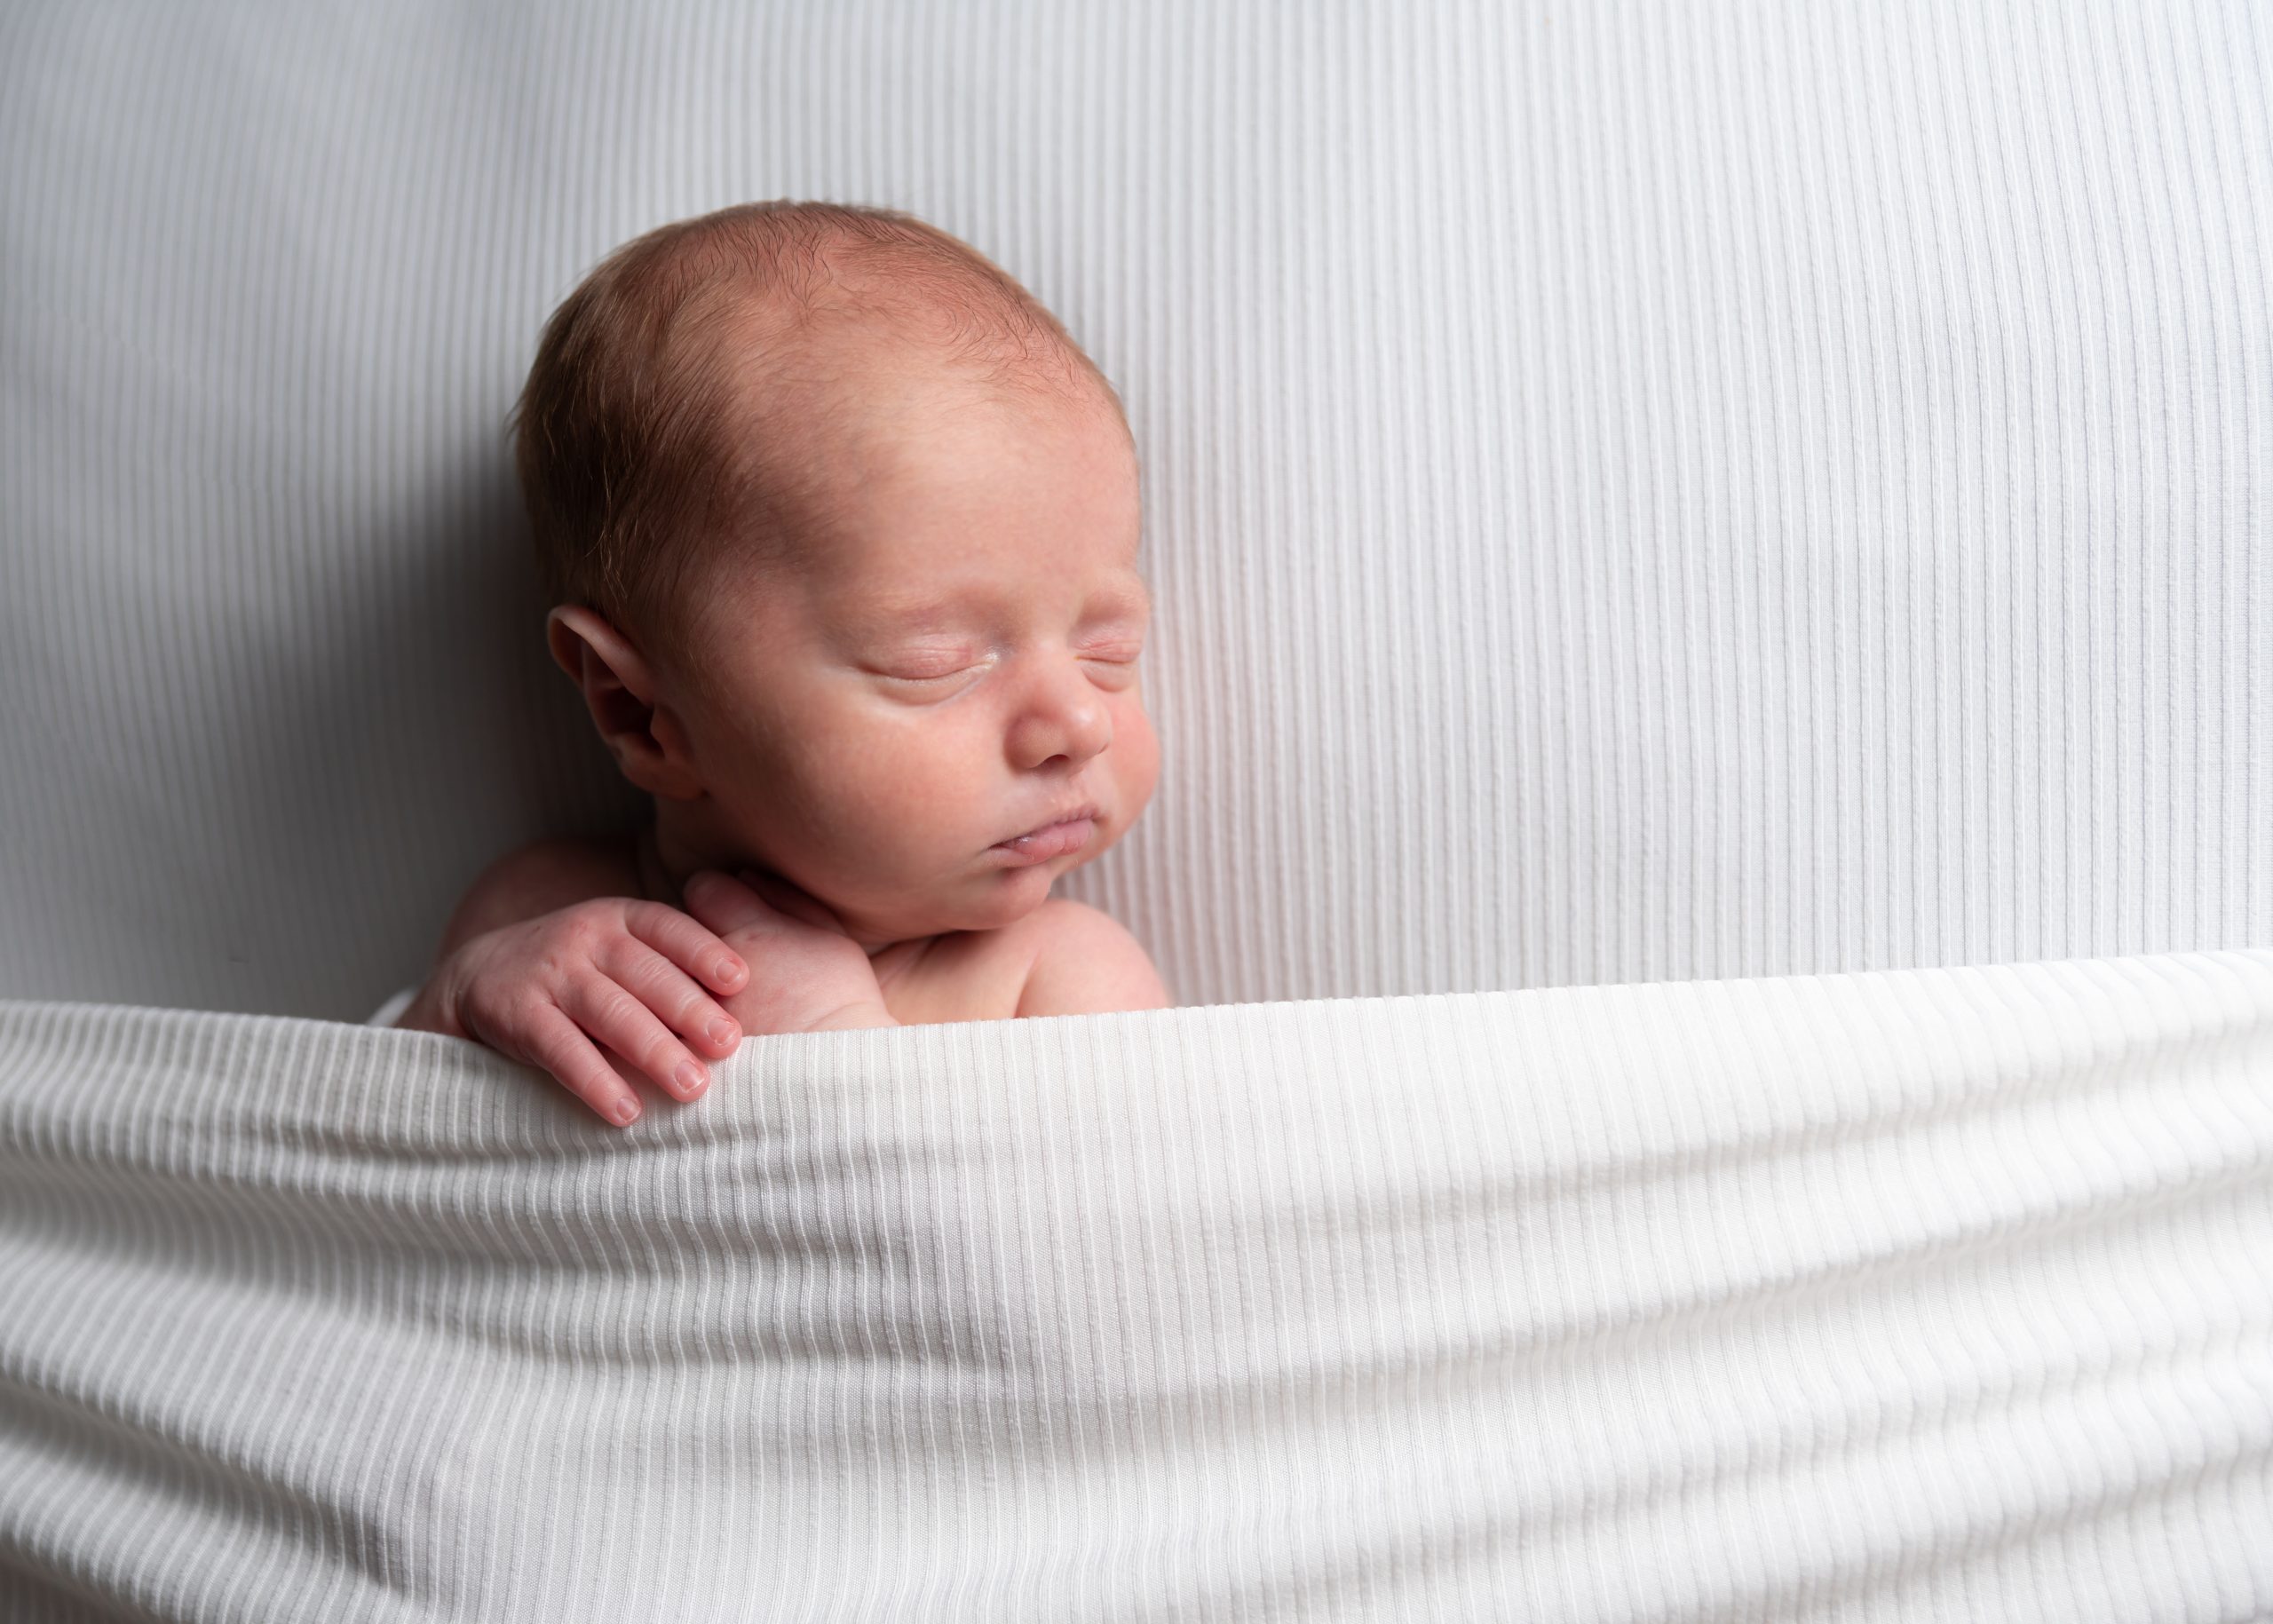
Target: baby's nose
(1073,724)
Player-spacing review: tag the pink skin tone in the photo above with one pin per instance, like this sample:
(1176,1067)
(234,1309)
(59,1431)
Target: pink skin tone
(872,759)
(869,721)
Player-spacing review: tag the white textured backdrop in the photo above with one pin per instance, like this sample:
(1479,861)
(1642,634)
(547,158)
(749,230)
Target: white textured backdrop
(1634,492)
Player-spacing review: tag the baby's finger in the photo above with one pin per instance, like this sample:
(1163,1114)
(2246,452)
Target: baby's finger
(688,944)
(669,992)
(727,906)
(614,1016)
(555,1042)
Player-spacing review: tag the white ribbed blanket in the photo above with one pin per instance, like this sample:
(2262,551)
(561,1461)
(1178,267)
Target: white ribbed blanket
(1932,1294)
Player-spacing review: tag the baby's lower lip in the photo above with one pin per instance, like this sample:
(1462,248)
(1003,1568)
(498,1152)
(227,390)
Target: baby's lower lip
(1056,840)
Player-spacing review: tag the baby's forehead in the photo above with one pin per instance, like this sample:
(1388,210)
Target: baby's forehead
(860,369)
(836,447)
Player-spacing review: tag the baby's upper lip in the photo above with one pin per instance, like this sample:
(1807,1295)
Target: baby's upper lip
(1084,809)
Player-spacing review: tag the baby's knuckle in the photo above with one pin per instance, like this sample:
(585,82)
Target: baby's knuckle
(669,1002)
(659,988)
(520,1007)
(597,921)
(570,954)
(607,1003)
(639,918)
(641,970)
(555,963)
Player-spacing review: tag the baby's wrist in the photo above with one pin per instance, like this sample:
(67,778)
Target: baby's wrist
(431,1008)
(420,1014)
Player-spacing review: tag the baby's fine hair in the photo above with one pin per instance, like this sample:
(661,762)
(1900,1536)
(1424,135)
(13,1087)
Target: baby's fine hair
(716,320)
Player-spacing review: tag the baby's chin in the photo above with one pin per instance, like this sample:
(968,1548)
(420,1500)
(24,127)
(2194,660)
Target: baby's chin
(989,901)
(1003,896)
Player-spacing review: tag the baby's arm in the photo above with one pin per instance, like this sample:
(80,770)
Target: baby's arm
(546,955)
(538,878)
(1088,964)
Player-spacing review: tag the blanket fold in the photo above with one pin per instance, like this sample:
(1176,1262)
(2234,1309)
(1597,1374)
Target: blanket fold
(1906,1293)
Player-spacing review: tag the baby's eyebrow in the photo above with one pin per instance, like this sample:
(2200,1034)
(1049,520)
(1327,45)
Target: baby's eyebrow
(906,613)
(880,612)
(1131,595)
(900,614)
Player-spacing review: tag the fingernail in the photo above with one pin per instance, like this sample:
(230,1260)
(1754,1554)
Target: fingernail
(730,973)
(626,1109)
(723,1032)
(689,1075)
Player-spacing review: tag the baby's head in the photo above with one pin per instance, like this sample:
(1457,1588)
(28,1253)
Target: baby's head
(841,530)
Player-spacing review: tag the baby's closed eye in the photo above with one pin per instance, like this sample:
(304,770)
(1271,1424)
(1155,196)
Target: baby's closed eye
(1113,663)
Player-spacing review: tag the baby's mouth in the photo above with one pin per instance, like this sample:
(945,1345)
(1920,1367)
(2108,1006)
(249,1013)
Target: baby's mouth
(1057,839)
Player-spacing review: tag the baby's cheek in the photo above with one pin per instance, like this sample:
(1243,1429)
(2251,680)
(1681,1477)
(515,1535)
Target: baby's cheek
(1139,768)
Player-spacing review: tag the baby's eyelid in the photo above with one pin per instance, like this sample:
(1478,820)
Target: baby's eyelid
(1114,657)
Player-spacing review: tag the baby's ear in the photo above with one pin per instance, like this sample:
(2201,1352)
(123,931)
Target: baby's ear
(580,638)
(619,691)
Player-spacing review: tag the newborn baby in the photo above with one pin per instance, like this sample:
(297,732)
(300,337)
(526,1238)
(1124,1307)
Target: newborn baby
(840,531)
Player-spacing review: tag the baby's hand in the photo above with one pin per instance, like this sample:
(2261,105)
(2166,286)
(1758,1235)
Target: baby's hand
(618,970)
(811,975)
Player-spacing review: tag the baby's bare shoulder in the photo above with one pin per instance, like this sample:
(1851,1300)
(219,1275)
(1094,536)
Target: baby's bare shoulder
(964,975)
(556,872)
(1087,962)
(1065,957)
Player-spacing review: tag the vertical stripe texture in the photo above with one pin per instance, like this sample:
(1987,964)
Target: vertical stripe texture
(1906,1295)
(1635,492)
